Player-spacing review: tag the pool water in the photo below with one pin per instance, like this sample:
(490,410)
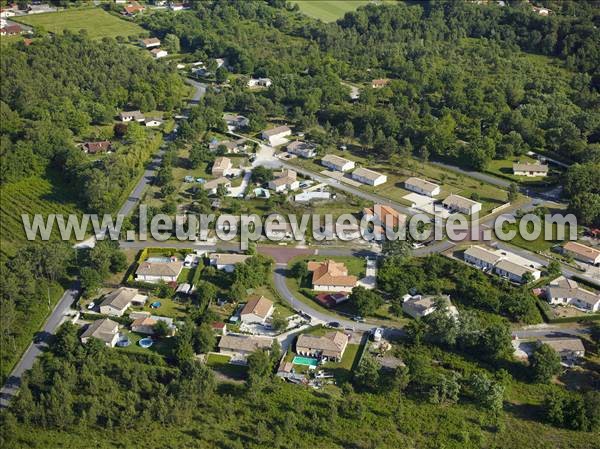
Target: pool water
(146,342)
(307,361)
(157,259)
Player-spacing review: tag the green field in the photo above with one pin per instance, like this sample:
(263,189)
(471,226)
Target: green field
(329,10)
(96,22)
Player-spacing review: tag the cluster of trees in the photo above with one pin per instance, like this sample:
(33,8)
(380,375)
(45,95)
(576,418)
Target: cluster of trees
(467,286)
(98,263)
(582,184)
(573,410)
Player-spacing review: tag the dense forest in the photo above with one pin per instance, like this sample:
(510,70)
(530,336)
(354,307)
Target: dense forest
(468,83)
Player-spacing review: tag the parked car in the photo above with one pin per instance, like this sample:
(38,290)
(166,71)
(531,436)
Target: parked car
(91,305)
(333,324)
(358,319)
(377,334)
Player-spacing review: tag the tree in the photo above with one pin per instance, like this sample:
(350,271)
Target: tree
(221,75)
(545,363)
(366,375)
(65,342)
(259,368)
(261,175)
(161,328)
(204,339)
(365,301)
(299,270)
(91,280)
(396,248)
(554,268)
(279,322)
(513,192)
(171,43)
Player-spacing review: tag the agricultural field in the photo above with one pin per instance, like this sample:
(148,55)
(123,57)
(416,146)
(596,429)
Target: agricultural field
(32,196)
(329,10)
(97,22)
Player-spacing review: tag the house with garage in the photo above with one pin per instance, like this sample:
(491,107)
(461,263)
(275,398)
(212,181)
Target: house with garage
(276,136)
(239,347)
(285,180)
(530,170)
(503,263)
(369,177)
(129,116)
(457,203)
(337,163)
(328,347)
(563,291)
(227,261)
(118,301)
(258,309)
(583,253)
(303,149)
(105,330)
(422,187)
(157,271)
(331,276)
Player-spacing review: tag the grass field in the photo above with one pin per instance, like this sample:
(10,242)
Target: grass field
(96,22)
(329,10)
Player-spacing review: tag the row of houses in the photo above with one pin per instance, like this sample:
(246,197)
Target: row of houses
(502,263)
(361,174)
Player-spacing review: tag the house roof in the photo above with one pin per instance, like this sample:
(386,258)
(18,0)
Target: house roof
(329,344)
(257,305)
(104,330)
(221,163)
(331,273)
(386,215)
(151,41)
(137,115)
(120,298)
(218,325)
(459,202)
(144,321)
(366,173)
(513,268)
(228,259)
(380,82)
(419,304)
(577,293)
(336,160)
(97,147)
(564,344)
(132,9)
(275,131)
(159,268)
(156,51)
(481,253)
(233,118)
(536,167)
(422,184)
(582,250)
(213,183)
(299,145)
(10,29)
(246,343)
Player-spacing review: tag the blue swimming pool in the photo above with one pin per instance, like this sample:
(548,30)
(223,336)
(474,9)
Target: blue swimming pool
(307,361)
(146,342)
(157,259)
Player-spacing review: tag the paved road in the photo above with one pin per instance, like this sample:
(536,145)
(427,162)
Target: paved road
(199,90)
(13,382)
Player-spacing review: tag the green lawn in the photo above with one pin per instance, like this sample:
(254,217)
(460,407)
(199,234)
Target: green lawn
(163,346)
(220,363)
(97,22)
(329,10)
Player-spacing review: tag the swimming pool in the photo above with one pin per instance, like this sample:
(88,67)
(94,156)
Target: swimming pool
(158,259)
(307,361)
(146,342)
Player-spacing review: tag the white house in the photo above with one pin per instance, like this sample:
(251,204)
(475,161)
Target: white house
(153,122)
(331,276)
(530,170)
(105,330)
(502,263)
(221,166)
(422,186)
(570,350)
(457,203)
(419,306)
(337,163)
(481,257)
(285,181)
(227,262)
(515,272)
(128,116)
(118,301)
(582,253)
(303,149)
(565,291)
(241,346)
(236,121)
(260,82)
(258,309)
(212,186)
(154,272)
(150,42)
(158,53)
(276,136)
(369,177)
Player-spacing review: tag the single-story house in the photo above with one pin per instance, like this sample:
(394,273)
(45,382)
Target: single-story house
(330,346)
(105,330)
(514,272)
(104,146)
(331,276)
(155,272)
(422,186)
(153,122)
(481,257)
(379,83)
(537,169)
(212,185)
(221,166)
(132,9)
(337,163)
(235,146)
(241,346)
(219,328)
(331,299)
(227,262)
(11,30)
(236,121)
(260,82)
(369,177)
(418,306)
(570,350)
(303,149)
(150,42)
(258,309)
(313,195)
(118,301)
(568,292)
(457,203)
(145,324)
(276,136)
(286,180)
(385,217)
(128,116)
(582,253)
(158,53)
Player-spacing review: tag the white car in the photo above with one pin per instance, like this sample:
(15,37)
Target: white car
(377,334)
(91,305)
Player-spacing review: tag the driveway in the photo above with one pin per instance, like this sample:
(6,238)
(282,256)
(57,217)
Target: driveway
(238,192)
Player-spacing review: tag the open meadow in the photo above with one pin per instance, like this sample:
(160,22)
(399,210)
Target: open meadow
(329,10)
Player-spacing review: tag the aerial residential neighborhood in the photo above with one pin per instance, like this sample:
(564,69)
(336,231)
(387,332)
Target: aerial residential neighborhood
(300,224)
